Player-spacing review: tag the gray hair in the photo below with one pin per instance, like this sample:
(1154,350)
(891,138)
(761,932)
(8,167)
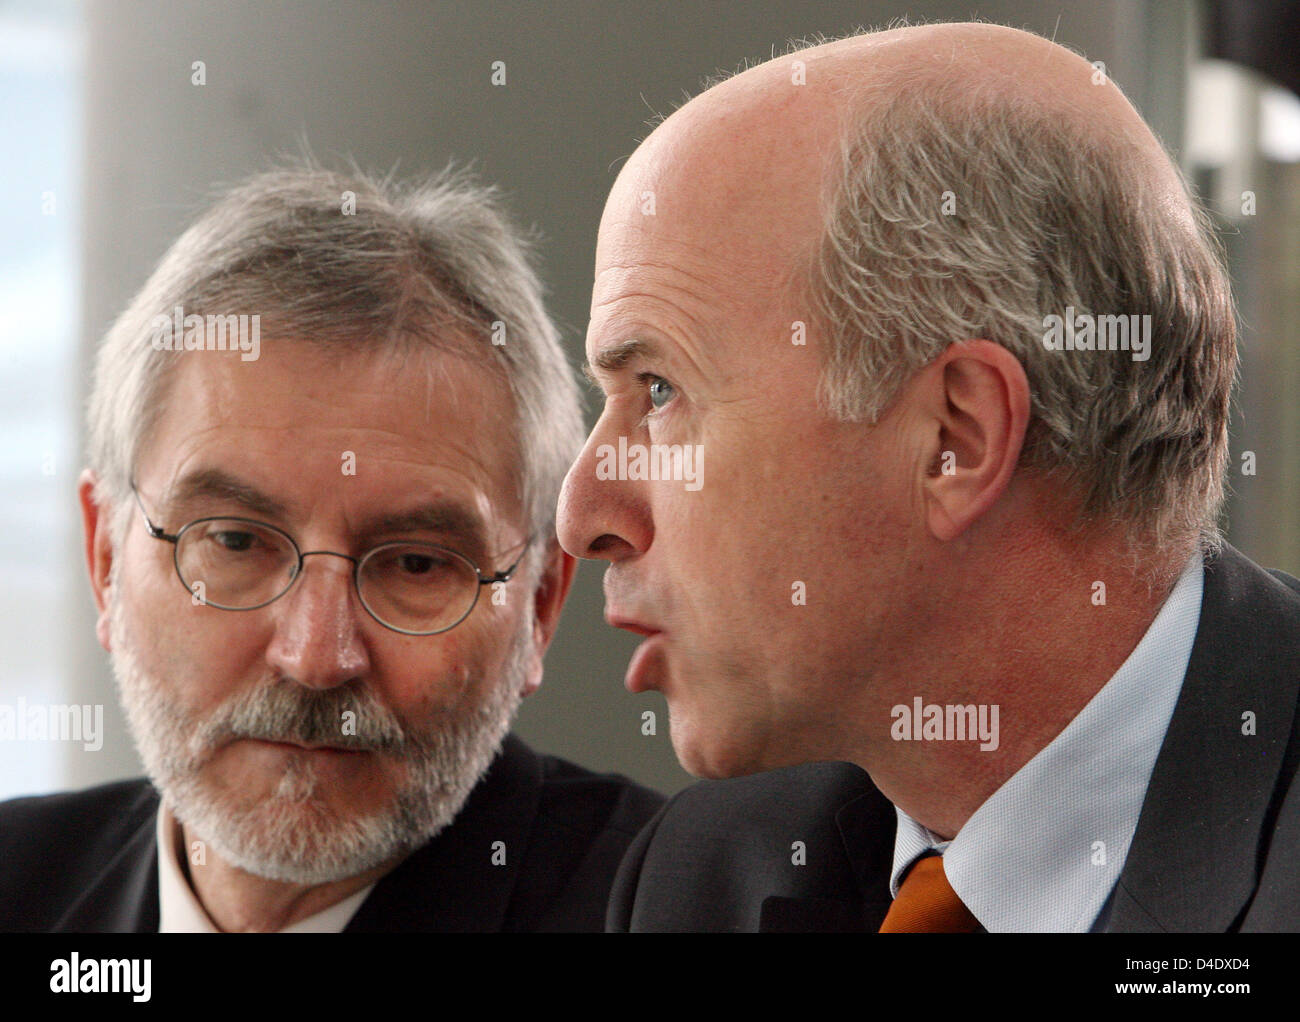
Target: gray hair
(433,265)
(1045,219)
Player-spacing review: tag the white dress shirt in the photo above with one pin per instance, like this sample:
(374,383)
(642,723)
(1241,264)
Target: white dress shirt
(1043,853)
(179,911)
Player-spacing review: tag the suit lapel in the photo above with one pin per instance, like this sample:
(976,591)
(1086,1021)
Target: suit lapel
(1192,866)
(451,884)
(123,897)
(867,826)
(623,893)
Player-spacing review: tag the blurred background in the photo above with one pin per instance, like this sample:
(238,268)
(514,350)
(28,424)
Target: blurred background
(110,150)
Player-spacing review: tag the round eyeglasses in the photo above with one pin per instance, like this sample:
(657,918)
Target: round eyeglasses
(242,564)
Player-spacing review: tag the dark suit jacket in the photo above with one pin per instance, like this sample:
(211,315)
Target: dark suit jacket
(87,862)
(1217,846)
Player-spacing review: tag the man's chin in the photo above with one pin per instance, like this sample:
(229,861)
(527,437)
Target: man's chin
(703,755)
(298,836)
(719,749)
(251,772)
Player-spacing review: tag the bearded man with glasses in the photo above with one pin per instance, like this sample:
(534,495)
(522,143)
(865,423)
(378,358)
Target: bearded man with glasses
(327,575)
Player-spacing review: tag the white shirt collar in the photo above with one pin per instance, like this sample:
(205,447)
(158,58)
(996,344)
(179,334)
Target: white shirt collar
(1043,853)
(179,911)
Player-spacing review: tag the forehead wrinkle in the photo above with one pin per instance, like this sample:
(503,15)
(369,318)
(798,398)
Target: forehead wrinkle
(633,324)
(203,473)
(652,298)
(639,258)
(648,282)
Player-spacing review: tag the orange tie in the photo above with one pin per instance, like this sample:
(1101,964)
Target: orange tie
(926,903)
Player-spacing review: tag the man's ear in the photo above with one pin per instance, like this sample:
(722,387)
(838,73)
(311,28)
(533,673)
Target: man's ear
(96,525)
(978,395)
(557,573)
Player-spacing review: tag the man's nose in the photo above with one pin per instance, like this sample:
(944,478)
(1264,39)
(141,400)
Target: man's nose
(318,640)
(600,518)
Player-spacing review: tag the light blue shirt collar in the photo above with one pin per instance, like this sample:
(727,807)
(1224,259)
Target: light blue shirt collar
(1043,853)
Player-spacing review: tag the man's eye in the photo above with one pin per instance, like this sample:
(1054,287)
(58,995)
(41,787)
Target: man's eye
(661,391)
(417,564)
(411,564)
(232,541)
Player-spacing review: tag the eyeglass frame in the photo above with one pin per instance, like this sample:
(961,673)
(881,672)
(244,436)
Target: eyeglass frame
(159,533)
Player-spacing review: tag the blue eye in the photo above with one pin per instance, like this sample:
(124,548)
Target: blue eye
(661,391)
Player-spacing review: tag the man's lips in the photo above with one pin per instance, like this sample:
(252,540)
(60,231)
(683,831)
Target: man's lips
(285,743)
(648,667)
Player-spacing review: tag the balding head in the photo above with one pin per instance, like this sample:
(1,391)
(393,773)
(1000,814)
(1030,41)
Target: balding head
(820,179)
(777,128)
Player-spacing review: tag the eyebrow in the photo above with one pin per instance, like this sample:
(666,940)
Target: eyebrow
(446,517)
(213,483)
(616,357)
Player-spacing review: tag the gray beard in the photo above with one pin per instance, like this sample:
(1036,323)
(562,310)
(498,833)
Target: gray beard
(293,836)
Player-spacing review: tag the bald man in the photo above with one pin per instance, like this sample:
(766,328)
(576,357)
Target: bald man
(959,348)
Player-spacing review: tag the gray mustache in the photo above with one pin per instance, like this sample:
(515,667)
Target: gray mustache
(287,712)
